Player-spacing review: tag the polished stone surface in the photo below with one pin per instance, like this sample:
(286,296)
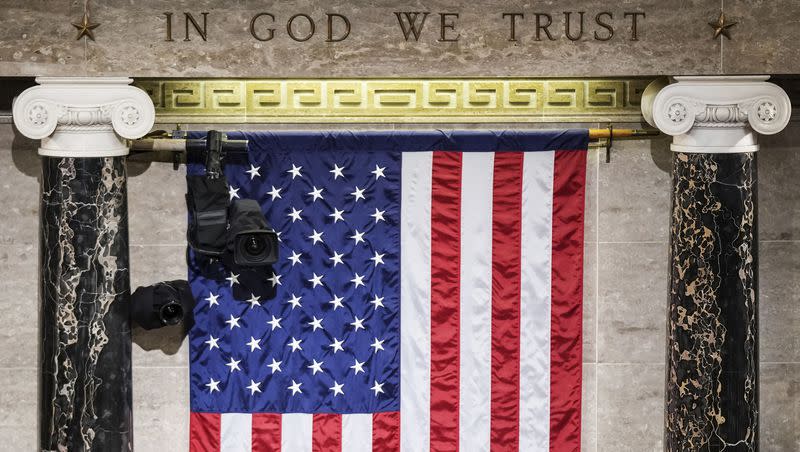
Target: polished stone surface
(161,401)
(780,407)
(131,40)
(631,303)
(712,326)
(85,402)
(19,334)
(630,407)
(779,302)
(765,40)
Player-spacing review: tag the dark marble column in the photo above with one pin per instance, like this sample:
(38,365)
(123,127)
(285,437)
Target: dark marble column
(85,399)
(712,323)
(711,400)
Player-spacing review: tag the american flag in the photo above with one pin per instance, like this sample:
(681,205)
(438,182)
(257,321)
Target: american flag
(429,295)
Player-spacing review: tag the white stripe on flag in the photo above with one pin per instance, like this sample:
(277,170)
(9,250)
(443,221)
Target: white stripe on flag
(415,296)
(235,432)
(476,301)
(296,432)
(536,257)
(357,432)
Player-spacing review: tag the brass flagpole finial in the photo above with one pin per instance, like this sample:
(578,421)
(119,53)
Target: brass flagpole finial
(721,26)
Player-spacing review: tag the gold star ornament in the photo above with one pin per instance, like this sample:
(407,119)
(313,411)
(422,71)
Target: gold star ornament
(721,26)
(85,27)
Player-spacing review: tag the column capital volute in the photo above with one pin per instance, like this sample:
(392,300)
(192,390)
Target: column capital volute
(83,116)
(717,114)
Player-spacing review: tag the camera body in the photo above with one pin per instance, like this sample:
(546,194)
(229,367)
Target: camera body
(162,304)
(251,241)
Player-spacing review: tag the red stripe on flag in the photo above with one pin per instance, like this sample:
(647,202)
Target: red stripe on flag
(445,287)
(506,273)
(266,432)
(569,179)
(204,431)
(386,432)
(327,433)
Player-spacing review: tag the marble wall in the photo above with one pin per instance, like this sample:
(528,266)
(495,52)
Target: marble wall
(625,296)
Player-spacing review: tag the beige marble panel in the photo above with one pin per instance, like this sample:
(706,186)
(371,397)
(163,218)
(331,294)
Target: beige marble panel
(131,40)
(168,346)
(590,302)
(632,302)
(765,39)
(156,204)
(19,304)
(161,409)
(780,407)
(634,195)
(779,198)
(18,409)
(589,409)
(19,188)
(630,407)
(779,302)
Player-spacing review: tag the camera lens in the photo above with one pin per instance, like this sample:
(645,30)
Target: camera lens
(255,245)
(171,313)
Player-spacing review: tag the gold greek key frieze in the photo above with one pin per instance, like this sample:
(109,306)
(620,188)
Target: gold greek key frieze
(489,100)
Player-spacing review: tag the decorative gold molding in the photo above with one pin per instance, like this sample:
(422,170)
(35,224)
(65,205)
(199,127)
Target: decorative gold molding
(453,100)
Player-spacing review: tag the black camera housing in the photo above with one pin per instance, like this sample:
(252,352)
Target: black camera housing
(162,304)
(251,241)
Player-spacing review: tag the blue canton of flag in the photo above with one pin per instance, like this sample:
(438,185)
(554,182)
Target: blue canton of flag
(329,341)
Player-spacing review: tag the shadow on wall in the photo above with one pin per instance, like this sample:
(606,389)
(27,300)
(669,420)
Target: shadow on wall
(661,153)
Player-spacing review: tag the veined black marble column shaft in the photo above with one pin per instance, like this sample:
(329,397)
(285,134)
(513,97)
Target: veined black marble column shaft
(712,324)
(85,397)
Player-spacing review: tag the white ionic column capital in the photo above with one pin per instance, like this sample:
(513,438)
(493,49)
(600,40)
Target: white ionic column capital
(717,114)
(83,116)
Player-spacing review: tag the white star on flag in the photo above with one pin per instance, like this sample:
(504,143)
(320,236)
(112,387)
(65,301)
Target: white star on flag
(316,237)
(276,322)
(336,302)
(359,194)
(212,299)
(358,280)
(295,301)
(358,323)
(254,387)
(275,366)
(378,388)
(337,171)
(233,322)
(295,344)
(378,302)
(378,258)
(378,172)
(295,258)
(254,344)
(295,171)
(337,388)
(295,214)
(275,279)
(316,194)
(315,367)
(377,345)
(233,278)
(233,364)
(253,171)
(337,215)
(233,192)
(212,342)
(316,280)
(337,345)
(254,301)
(378,215)
(212,385)
(275,193)
(358,367)
(337,258)
(295,387)
(315,324)
(357,236)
